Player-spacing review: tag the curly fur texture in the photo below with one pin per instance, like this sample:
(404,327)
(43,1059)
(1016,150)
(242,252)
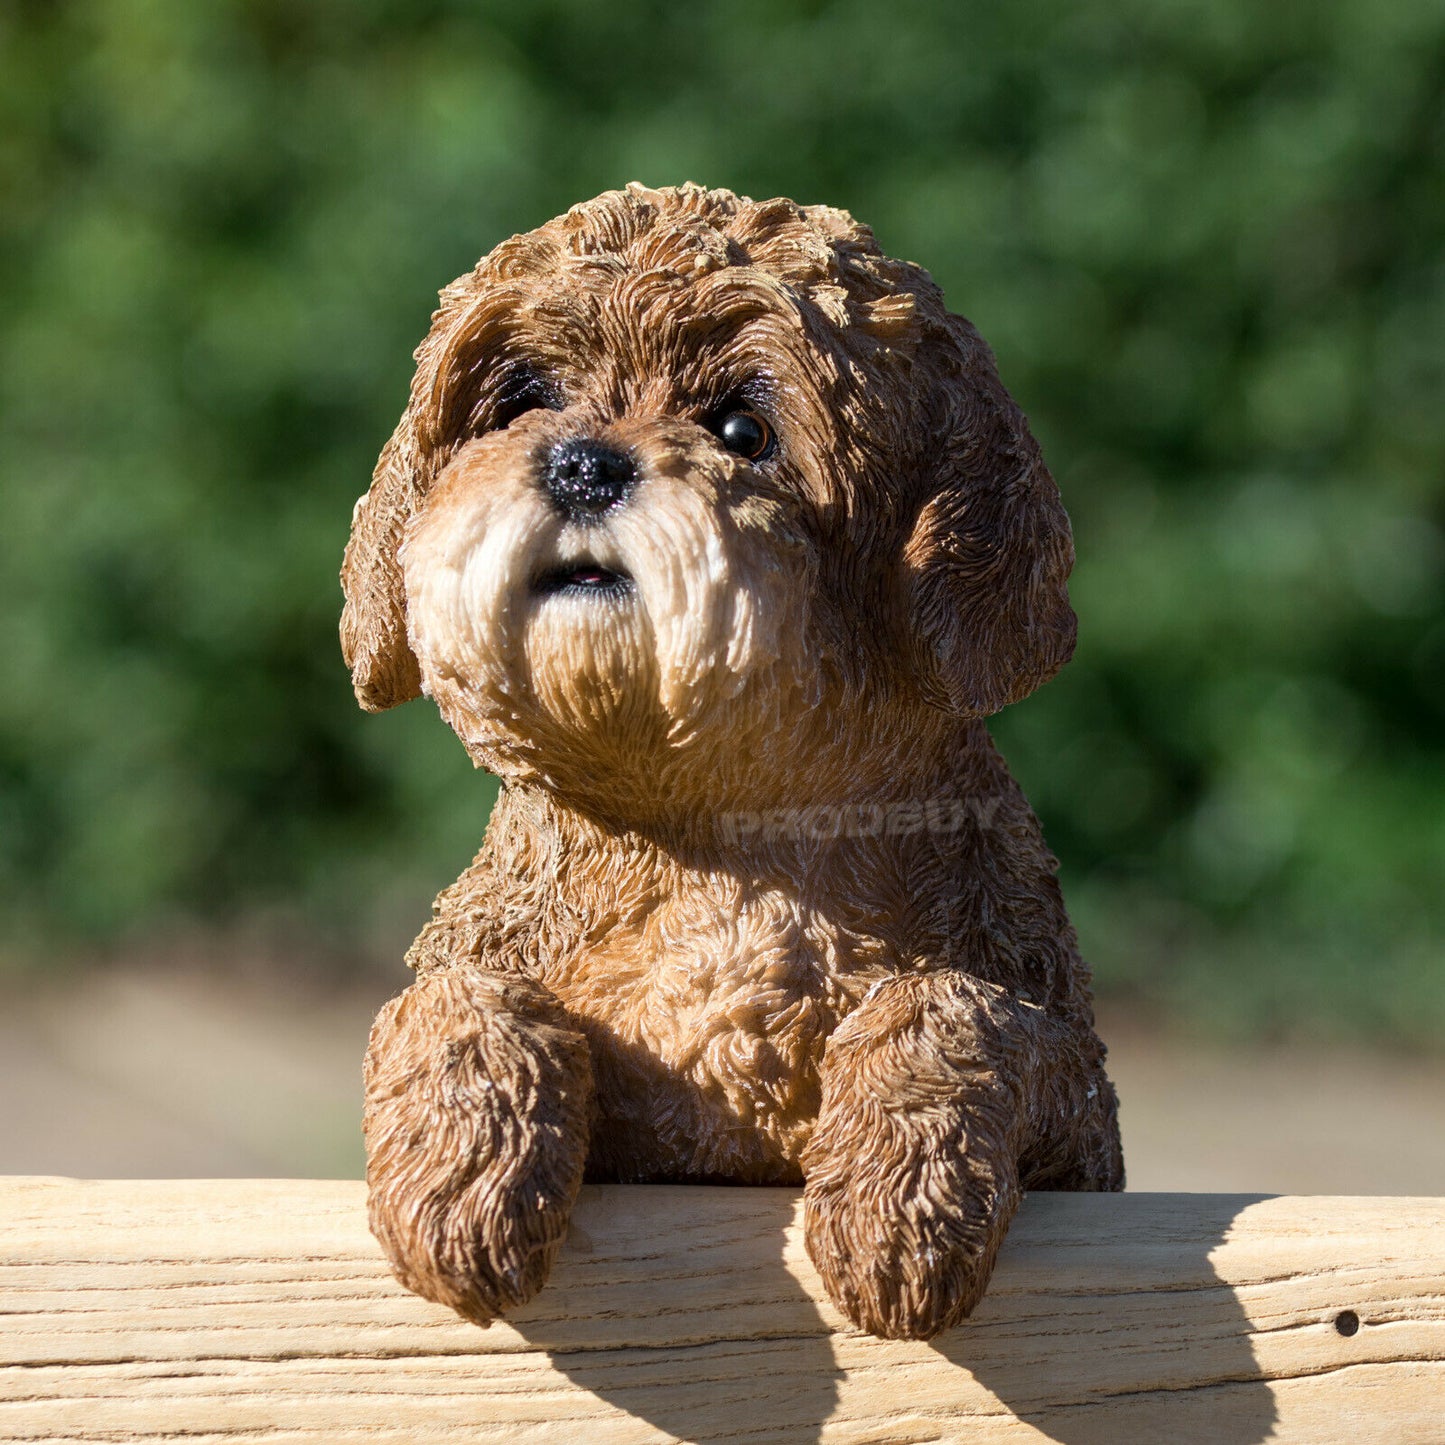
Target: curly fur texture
(759,901)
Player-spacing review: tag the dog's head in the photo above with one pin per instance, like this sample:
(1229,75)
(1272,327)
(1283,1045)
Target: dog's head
(688,480)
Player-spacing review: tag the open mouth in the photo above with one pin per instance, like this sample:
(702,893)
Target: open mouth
(577,578)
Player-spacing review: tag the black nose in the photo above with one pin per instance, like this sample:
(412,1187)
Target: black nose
(585,477)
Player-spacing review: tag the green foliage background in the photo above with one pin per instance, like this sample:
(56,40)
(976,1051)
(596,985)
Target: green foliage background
(1203,236)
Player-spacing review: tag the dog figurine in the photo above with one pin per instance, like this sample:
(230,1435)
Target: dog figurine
(716,537)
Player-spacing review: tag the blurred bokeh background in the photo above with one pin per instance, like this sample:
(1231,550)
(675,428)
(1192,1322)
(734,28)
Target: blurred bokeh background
(1206,239)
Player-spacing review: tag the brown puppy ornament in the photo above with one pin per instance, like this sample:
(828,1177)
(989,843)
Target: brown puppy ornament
(716,537)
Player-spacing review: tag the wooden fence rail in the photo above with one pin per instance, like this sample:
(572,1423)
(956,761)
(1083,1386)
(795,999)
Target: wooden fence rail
(262,1311)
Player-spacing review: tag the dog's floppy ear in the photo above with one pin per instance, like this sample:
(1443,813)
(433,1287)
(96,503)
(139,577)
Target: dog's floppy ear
(384,670)
(991,550)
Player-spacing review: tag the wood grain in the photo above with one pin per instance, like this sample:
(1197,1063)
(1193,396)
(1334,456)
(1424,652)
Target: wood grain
(262,1311)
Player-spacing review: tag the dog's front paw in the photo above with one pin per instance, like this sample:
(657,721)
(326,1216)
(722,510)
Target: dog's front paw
(477,1097)
(898,1263)
(912,1169)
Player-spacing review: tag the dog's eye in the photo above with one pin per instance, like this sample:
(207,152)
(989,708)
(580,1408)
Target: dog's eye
(520,392)
(747,434)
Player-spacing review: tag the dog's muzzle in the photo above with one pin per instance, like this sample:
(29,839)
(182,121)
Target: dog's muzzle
(586,478)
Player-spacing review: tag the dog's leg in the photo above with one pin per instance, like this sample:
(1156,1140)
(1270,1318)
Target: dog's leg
(934,1089)
(478,1093)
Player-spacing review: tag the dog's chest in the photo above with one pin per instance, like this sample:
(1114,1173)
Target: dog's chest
(719,962)
(707,1008)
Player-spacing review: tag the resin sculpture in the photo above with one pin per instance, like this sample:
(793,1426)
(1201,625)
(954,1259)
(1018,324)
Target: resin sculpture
(716,537)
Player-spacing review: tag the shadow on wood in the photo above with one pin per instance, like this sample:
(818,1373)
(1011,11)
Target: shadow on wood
(1147,1344)
(734,1341)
